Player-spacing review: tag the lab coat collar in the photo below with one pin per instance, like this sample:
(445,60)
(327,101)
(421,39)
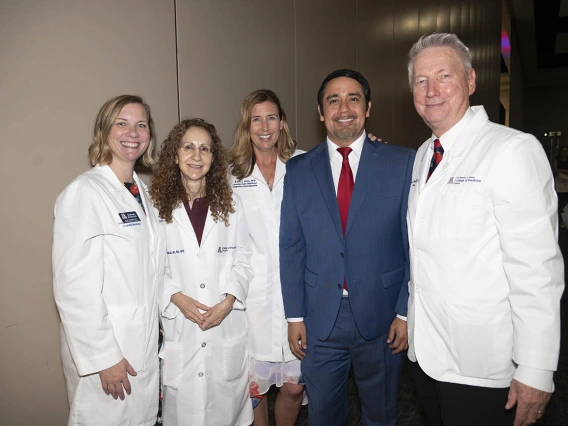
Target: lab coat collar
(180,216)
(278,173)
(468,127)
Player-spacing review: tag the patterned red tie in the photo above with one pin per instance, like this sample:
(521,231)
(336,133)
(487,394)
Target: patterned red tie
(436,157)
(344,191)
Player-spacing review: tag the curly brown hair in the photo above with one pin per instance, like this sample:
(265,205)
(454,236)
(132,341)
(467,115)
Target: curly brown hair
(167,190)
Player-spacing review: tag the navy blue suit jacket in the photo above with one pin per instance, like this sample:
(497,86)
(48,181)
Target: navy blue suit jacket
(373,256)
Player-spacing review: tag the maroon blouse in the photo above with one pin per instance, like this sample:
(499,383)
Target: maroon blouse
(197,215)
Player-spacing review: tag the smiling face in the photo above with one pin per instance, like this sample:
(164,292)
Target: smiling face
(194,156)
(265,127)
(441,87)
(129,136)
(344,110)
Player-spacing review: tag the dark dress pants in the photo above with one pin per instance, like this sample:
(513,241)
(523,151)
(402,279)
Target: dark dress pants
(326,370)
(453,404)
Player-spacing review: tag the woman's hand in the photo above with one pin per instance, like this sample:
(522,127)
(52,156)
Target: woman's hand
(217,313)
(115,378)
(190,308)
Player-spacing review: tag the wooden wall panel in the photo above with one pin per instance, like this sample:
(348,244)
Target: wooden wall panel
(227,49)
(325,41)
(374,61)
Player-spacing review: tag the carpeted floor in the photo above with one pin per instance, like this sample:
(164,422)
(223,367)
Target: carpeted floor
(409,411)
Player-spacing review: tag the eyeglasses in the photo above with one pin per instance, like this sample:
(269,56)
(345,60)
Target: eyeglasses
(203,149)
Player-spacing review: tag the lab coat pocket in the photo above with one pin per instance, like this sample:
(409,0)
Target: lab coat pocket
(172,369)
(234,357)
(130,327)
(481,340)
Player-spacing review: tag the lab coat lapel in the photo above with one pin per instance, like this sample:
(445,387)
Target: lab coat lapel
(116,185)
(182,219)
(209,225)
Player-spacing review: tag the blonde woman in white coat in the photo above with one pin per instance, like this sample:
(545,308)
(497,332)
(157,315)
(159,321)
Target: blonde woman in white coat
(261,148)
(108,261)
(205,370)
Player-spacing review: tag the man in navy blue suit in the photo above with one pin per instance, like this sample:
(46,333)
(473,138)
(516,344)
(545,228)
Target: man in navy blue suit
(344,264)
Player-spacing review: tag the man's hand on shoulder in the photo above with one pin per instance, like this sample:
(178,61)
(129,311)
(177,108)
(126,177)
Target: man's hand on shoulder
(530,402)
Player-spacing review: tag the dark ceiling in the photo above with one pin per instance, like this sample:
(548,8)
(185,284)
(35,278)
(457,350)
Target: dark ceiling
(551,32)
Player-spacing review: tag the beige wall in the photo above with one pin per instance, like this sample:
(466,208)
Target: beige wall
(61,59)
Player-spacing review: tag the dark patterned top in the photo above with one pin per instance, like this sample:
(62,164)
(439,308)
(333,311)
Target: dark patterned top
(135,191)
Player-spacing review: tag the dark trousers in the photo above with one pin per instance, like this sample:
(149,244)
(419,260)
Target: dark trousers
(325,370)
(452,404)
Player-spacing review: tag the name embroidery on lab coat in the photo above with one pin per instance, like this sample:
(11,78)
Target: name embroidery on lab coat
(245,183)
(129,218)
(457,180)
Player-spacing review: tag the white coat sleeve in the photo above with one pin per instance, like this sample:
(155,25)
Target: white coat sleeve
(78,280)
(525,207)
(167,308)
(240,274)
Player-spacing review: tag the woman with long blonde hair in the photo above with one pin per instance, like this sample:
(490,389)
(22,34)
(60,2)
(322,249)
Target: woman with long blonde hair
(260,150)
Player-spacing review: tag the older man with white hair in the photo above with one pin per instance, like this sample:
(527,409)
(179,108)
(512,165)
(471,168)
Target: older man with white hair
(486,271)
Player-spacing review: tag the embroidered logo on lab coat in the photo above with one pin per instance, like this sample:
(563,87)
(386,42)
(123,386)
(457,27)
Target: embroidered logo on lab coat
(225,249)
(458,180)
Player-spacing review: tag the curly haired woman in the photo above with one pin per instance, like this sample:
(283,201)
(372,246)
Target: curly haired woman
(205,370)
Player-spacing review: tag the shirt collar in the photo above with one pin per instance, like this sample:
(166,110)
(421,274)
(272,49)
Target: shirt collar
(448,138)
(356,146)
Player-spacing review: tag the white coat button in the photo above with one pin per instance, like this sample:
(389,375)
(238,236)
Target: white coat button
(202,286)
(200,374)
(416,253)
(203,344)
(417,290)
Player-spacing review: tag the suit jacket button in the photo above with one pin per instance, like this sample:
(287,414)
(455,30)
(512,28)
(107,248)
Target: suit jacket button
(342,254)
(339,286)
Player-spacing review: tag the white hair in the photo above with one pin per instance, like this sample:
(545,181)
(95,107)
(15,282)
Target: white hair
(437,40)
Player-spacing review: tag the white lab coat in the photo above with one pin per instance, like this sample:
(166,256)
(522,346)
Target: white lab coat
(106,273)
(486,270)
(205,373)
(268,329)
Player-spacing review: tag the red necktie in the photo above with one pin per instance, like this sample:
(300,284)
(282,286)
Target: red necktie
(344,190)
(436,157)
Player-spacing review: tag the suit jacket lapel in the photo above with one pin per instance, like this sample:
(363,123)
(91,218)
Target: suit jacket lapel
(324,178)
(366,178)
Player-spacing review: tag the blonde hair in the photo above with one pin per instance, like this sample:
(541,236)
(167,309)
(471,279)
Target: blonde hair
(99,151)
(241,154)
